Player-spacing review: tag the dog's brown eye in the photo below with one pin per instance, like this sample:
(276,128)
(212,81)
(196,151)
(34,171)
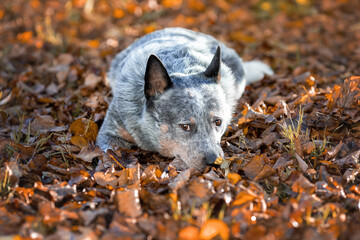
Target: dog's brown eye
(185,127)
(218,122)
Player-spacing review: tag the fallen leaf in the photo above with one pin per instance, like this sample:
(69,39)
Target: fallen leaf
(42,124)
(92,80)
(87,154)
(213,228)
(302,184)
(85,128)
(128,202)
(189,233)
(233,178)
(105,179)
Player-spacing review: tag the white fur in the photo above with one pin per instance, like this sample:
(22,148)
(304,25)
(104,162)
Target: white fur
(256,70)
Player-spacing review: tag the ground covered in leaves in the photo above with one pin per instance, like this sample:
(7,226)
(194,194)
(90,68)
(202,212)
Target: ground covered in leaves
(292,152)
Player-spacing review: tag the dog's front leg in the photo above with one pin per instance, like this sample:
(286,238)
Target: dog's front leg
(112,135)
(178,164)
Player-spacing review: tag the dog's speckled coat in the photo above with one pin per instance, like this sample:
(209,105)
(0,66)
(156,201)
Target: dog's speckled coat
(196,96)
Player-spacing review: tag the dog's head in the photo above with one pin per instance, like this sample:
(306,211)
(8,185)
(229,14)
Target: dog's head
(190,116)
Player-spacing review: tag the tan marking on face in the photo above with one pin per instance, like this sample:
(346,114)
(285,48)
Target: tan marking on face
(125,135)
(168,147)
(211,114)
(164,128)
(192,120)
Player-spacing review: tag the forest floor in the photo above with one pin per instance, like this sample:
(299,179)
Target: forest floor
(292,152)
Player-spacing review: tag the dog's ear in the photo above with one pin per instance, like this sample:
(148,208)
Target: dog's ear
(213,70)
(157,79)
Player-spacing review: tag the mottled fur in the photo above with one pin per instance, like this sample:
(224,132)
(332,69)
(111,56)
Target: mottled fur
(155,120)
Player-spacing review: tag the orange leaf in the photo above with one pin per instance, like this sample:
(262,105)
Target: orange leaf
(189,233)
(243,197)
(149,29)
(133,8)
(171,3)
(35,4)
(196,5)
(241,37)
(24,37)
(302,184)
(79,141)
(85,128)
(118,13)
(213,228)
(2,13)
(79,3)
(233,178)
(181,20)
(93,43)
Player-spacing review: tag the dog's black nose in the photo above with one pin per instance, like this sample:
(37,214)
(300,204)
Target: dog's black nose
(210,158)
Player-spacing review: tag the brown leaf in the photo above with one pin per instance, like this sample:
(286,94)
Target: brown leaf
(302,184)
(308,147)
(128,202)
(351,174)
(273,100)
(84,131)
(333,151)
(105,179)
(298,147)
(350,93)
(150,175)
(256,168)
(79,177)
(85,128)
(282,162)
(92,80)
(42,124)
(351,159)
(87,153)
(155,202)
(180,180)
(269,138)
(200,189)
(302,164)
(79,141)
(130,176)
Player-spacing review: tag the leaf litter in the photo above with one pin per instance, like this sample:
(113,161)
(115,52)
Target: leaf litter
(291,166)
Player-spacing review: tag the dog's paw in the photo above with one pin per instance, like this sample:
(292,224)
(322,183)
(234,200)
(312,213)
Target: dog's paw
(178,164)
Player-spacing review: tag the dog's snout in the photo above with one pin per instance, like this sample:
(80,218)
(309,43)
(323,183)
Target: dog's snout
(210,158)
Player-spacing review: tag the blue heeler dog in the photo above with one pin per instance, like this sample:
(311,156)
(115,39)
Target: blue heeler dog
(174,92)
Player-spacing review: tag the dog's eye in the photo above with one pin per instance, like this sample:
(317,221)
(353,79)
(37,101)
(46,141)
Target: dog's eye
(185,127)
(218,122)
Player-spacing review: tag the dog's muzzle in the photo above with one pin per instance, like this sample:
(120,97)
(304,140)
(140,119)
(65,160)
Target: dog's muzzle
(210,158)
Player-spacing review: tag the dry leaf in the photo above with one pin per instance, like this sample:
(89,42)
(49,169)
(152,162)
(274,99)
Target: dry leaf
(128,202)
(189,233)
(105,179)
(213,228)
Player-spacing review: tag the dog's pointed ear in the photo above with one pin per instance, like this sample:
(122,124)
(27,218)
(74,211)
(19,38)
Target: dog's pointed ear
(157,79)
(213,70)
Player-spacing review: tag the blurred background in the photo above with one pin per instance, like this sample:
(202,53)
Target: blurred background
(321,36)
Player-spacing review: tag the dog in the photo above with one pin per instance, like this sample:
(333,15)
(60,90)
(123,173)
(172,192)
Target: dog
(174,92)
